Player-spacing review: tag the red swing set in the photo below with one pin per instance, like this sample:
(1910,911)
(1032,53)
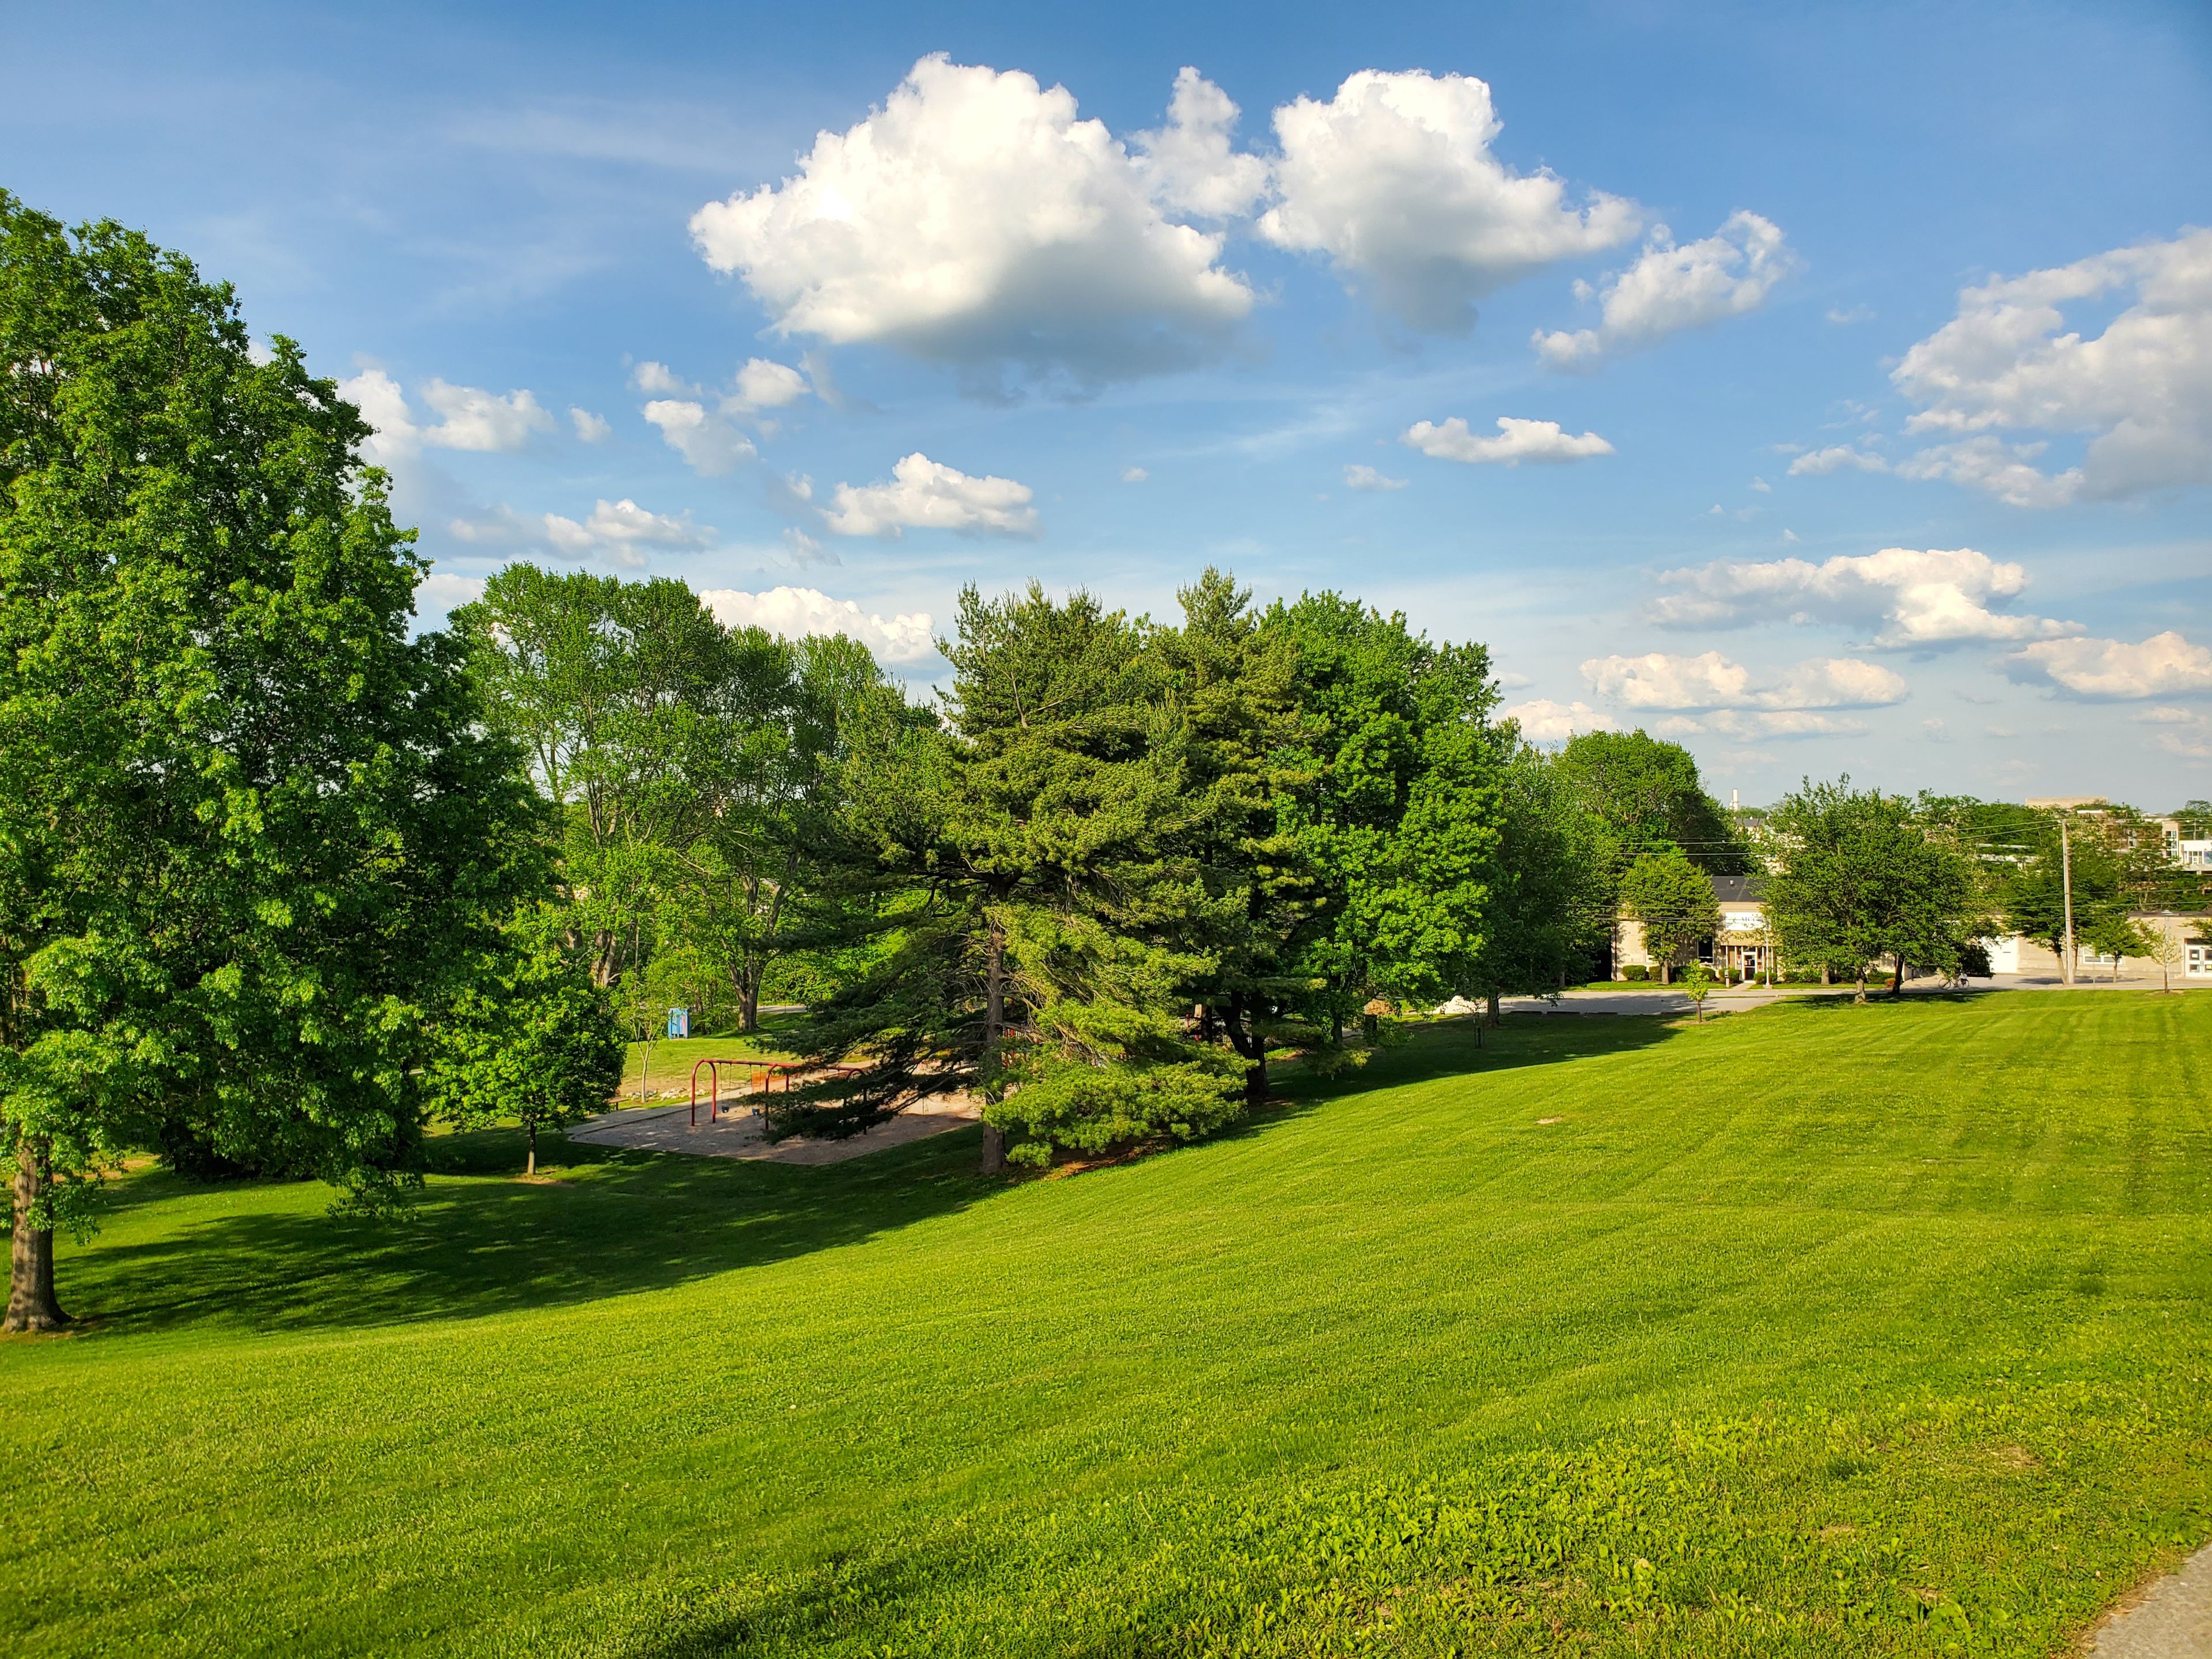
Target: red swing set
(762,1074)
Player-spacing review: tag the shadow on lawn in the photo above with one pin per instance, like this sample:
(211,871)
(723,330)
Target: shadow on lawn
(609,1222)
(1460,1048)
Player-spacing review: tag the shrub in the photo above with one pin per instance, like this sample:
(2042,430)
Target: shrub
(1635,970)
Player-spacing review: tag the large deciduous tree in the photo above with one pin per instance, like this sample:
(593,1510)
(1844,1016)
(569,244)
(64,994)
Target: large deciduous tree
(251,837)
(1861,877)
(1673,900)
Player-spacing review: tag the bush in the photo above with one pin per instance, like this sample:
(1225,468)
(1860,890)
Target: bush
(1635,970)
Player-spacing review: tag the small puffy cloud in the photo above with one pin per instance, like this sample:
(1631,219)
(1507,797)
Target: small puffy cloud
(2182,732)
(1762,486)
(469,417)
(440,591)
(1844,316)
(1712,681)
(659,380)
(1542,720)
(2005,471)
(2163,665)
(927,495)
(796,612)
(1358,476)
(1670,289)
(1920,599)
(763,383)
(2141,391)
(1394,179)
(1819,463)
(1712,696)
(1188,166)
(624,534)
(975,219)
(590,428)
(1134,474)
(710,444)
(1518,441)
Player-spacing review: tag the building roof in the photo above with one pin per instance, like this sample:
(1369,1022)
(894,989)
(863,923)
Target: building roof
(1739,889)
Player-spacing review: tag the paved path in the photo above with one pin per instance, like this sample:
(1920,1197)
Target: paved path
(739,1134)
(1740,997)
(2173,1620)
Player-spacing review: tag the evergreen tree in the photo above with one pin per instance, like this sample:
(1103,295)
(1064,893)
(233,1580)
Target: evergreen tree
(1032,831)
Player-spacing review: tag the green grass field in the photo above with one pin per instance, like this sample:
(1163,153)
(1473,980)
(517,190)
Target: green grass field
(1815,1331)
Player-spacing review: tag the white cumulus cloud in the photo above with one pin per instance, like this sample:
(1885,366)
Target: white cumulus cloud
(795,612)
(1518,441)
(1919,598)
(659,380)
(763,383)
(1712,681)
(1189,164)
(469,417)
(1670,289)
(1360,476)
(441,591)
(1542,720)
(927,495)
(2140,390)
(710,444)
(590,428)
(1134,474)
(1394,179)
(1819,463)
(2163,665)
(975,219)
(624,534)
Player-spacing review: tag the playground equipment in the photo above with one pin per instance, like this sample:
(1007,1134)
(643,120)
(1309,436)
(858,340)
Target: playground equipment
(761,1075)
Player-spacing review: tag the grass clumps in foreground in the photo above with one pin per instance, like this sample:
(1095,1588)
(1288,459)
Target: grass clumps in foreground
(1815,1331)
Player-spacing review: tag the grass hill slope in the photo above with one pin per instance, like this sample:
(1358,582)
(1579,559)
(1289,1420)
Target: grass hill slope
(1818,1331)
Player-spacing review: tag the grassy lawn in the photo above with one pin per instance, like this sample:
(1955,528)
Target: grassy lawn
(1814,1331)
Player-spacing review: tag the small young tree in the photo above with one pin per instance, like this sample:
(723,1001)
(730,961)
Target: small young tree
(2165,946)
(2112,933)
(1698,984)
(1673,900)
(532,1038)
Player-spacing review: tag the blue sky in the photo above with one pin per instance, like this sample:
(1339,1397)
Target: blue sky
(1856,361)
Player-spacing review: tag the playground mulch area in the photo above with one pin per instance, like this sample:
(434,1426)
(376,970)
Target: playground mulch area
(738,1132)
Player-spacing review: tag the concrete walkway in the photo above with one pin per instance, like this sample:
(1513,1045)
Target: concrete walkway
(2172,1620)
(1737,998)
(739,1134)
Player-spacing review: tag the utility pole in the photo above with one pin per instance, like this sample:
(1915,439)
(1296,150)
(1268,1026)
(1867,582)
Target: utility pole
(2066,887)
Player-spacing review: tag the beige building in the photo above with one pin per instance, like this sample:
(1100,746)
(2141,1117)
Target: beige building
(1743,949)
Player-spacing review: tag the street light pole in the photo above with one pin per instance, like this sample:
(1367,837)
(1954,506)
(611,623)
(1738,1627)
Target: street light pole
(2066,886)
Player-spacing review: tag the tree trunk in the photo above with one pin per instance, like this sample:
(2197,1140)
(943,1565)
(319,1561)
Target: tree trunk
(1492,1016)
(1896,979)
(1824,978)
(749,1005)
(530,1167)
(31,1302)
(1255,1081)
(994,1022)
(1860,994)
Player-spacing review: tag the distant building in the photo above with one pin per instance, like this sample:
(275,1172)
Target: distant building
(1744,948)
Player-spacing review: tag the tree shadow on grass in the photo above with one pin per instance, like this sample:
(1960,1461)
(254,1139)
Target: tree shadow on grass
(1461,1047)
(476,1241)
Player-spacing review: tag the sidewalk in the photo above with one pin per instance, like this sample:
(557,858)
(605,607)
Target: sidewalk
(1737,998)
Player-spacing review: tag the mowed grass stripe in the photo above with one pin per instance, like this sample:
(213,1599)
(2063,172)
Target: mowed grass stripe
(670,1405)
